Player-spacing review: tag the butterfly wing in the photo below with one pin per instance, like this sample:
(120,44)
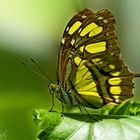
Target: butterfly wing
(66,45)
(89,55)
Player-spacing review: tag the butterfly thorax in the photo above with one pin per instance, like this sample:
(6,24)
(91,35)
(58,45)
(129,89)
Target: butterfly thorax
(61,94)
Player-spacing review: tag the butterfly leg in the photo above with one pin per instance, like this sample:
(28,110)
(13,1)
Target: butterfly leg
(79,106)
(52,103)
(90,114)
(62,114)
(76,100)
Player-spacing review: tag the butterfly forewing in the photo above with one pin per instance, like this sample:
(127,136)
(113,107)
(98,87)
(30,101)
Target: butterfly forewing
(67,45)
(90,53)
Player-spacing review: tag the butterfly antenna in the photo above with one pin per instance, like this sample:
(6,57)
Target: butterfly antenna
(41,70)
(37,73)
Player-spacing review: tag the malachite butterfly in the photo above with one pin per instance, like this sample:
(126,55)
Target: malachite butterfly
(90,71)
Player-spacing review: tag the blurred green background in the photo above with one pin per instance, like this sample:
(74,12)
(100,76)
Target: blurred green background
(33,29)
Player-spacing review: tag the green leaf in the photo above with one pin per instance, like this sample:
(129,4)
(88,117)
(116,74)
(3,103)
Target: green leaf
(125,108)
(112,122)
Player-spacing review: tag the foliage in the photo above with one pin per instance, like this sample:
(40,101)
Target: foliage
(112,122)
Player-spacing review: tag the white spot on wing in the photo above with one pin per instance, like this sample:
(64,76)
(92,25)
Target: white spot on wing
(67,28)
(84,16)
(100,18)
(63,40)
(72,42)
(117,100)
(105,21)
(79,30)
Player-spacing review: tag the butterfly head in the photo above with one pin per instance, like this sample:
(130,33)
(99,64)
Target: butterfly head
(54,88)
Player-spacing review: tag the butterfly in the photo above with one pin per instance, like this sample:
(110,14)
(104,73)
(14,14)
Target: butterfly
(90,71)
